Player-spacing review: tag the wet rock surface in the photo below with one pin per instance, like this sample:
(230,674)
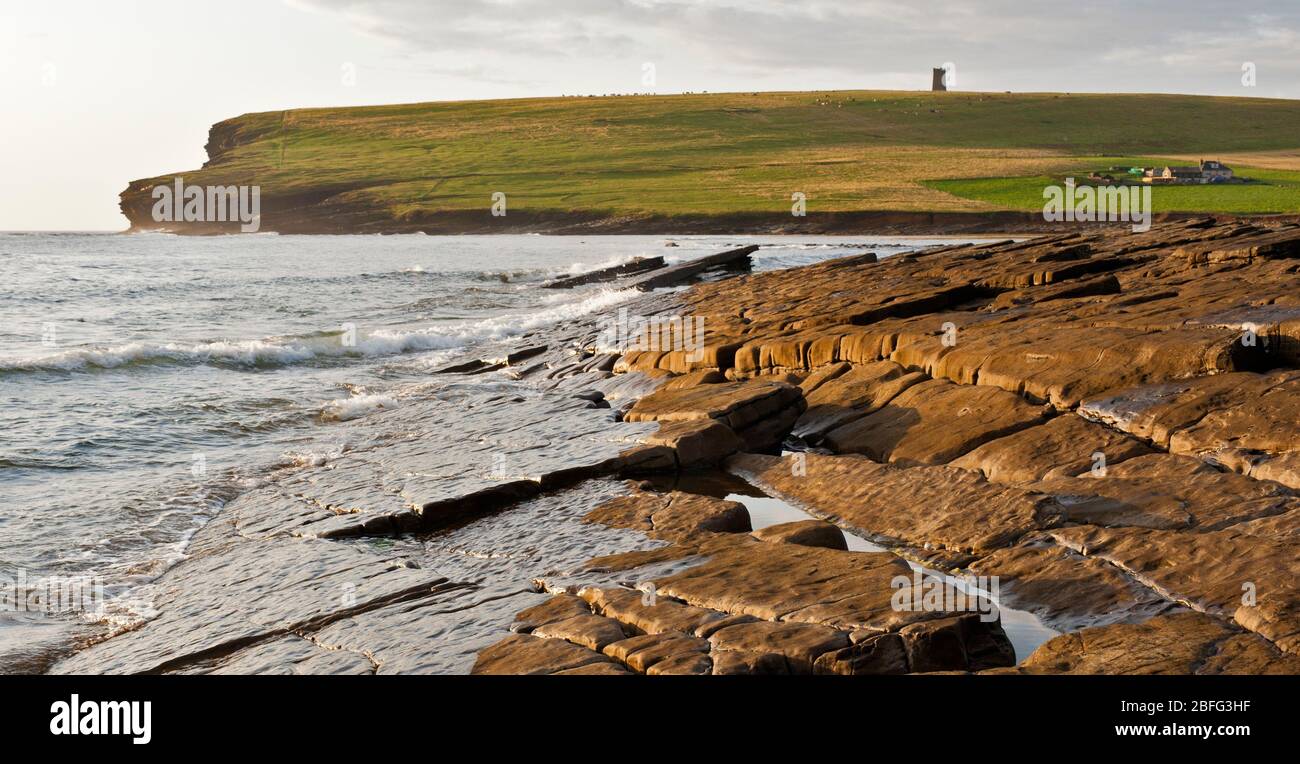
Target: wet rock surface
(1178,643)
(634,266)
(684,272)
(735,604)
(1243,421)
(673,515)
(944,507)
(418,603)
(1106,422)
(1243,577)
(1068,589)
(402,475)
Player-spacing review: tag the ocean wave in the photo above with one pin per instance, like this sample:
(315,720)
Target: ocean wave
(510,276)
(315,346)
(249,352)
(344,409)
(503,276)
(39,463)
(311,458)
(577,269)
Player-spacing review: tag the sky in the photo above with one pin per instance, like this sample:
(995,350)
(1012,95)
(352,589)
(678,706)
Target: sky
(97,93)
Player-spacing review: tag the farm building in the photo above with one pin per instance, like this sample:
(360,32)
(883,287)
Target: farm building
(1210,171)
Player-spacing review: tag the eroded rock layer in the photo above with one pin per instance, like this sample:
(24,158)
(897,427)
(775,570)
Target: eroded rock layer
(784,602)
(1105,423)
(1138,392)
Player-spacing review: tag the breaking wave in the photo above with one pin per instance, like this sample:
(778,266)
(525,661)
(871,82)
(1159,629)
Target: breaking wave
(343,409)
(308,348)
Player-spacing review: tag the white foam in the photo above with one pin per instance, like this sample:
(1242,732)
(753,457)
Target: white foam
(310,458)
(343,409)
(273,351)
(577,269)
(248,352)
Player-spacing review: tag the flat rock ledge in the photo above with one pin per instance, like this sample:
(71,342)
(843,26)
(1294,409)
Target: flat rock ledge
(781,602)
(1106,421)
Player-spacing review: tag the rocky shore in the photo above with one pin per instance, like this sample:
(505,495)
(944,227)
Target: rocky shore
(1104,422)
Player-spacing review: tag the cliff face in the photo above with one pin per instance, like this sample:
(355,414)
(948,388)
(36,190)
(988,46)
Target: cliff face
(325,211)
(226,135)
(718,163)
(137,201)
(315,210)
(328,210)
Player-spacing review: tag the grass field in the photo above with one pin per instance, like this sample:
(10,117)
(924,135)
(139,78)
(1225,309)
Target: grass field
(722,153)
(1269,190)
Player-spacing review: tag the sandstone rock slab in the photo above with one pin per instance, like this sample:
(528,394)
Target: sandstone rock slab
(930,507)
(523,654)
(851,395)
(1225,573)
(672,515)
(934,422)
(1063,447)
(1177,643)
(1167,491)
(805,533)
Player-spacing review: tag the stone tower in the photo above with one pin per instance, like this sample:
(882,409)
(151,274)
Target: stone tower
(938,83)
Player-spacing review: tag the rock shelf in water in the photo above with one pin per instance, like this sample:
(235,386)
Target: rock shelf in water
(1107,422)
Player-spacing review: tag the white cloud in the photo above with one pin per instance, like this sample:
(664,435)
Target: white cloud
(997,44)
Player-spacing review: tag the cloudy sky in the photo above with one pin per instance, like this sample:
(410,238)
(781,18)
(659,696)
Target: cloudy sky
(99,93)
